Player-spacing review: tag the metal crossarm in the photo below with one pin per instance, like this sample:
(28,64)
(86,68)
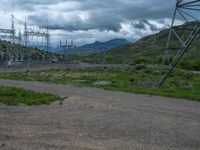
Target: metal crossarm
(189,12)
(37,33)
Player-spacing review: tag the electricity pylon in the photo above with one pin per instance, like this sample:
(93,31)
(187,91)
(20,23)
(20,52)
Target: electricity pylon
(180,37)
(37,32)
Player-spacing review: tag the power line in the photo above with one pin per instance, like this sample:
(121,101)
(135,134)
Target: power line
(90,25)
(126,12)
(23,2)
(114,15)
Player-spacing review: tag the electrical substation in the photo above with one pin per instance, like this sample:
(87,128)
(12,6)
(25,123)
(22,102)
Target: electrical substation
(22,40)
(178,43)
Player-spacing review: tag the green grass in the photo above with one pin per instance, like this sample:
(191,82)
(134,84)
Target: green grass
(15,96)
(181,84)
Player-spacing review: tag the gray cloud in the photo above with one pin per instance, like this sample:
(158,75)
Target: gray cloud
(102,15)
(144,24)
(90,20)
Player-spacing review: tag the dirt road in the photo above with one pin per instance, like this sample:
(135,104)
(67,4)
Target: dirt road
(95,119)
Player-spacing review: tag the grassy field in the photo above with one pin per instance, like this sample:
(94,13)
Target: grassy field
(15,96)
(135,79)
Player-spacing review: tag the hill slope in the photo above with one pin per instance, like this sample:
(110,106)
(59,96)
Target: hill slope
(98,47)
(153,46)
(7,49)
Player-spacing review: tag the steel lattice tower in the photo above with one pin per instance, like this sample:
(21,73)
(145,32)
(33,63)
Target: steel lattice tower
(37,32)
(180,37)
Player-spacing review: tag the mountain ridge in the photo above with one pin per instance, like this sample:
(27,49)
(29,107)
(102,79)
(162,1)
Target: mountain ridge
(97,47)
(153,46)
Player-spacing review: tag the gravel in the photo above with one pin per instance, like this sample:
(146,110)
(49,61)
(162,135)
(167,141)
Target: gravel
(96,119)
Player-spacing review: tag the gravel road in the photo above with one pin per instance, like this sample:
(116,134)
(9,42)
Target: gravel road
(96,119)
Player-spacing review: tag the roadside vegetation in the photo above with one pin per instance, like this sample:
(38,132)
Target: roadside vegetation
(16,96)
(134,79)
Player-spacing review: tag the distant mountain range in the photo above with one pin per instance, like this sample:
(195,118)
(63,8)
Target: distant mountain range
(96,47)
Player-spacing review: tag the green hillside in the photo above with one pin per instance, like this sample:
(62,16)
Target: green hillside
(153,45)
(148,46)
(150,49)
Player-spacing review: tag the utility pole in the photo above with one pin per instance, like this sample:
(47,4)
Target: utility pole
(67,48)
(48,38)
(13,39)
(36,33)
(25,35)
(13,29)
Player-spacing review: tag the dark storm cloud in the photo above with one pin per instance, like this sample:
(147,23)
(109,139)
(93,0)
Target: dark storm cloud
(102,15)
(144,24)
(139,25)
(76,24)
(86,21)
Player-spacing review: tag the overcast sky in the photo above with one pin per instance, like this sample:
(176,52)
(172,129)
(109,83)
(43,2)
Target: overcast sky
(86,21)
